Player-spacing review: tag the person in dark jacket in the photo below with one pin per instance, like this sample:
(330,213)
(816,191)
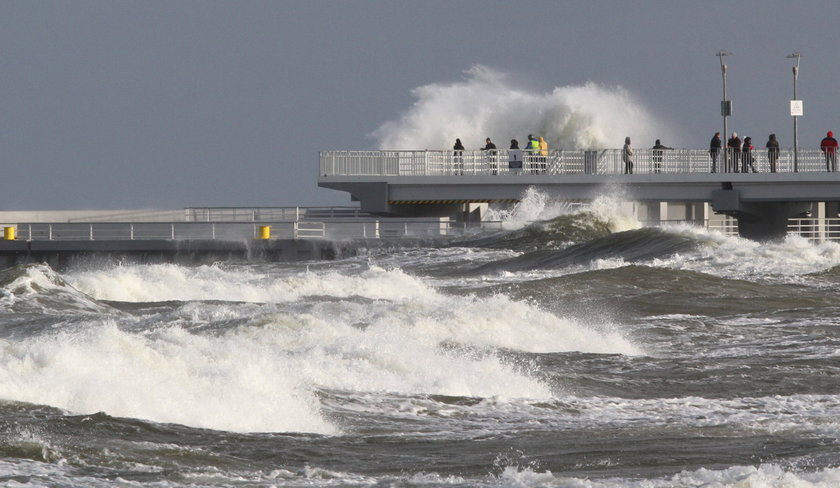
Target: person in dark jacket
(772,152)
(747,159)
(458,152)
(714,150)
(514,157)
(491,155)
(657,152)
(829,147)
(733,146)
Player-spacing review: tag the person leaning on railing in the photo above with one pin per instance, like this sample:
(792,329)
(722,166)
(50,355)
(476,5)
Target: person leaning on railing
(657,152)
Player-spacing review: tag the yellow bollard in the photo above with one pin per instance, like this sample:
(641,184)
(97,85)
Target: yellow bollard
(265,232)
(8,233)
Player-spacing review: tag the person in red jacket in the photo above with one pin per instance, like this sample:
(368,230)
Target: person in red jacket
(829,148)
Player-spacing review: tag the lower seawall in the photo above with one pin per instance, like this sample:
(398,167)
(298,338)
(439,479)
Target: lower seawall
(63,253)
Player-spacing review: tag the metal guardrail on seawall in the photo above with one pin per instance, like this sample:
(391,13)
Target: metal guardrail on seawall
(338,229)
(556,162)
(814,229)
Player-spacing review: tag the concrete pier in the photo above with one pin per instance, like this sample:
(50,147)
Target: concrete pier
(407,183)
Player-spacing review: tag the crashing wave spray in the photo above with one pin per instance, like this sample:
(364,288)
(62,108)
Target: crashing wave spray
(487,104)
(537,206)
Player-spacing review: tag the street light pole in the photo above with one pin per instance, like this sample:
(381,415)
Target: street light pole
(725,105)
(795,112)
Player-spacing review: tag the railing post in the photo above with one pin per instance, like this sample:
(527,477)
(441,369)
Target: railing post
(91,231)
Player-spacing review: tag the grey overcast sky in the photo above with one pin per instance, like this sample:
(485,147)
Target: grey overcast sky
(166,104)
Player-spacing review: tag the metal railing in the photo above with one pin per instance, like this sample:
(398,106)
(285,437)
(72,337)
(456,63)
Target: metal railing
(337,229)
(573,161)
(815,229)
(269,214)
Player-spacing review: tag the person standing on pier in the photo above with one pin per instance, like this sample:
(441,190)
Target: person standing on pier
(627,156)
(772,152)
(714,150)
(459,156)
(658,151)
(543,154)
(491,155)
(514,157)
(829,148)
(532,148)
(734,156)
(747,159)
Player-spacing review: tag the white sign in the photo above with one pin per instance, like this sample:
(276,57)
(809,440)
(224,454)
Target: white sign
(796,108)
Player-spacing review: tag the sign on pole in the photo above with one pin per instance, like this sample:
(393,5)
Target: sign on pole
(796,108)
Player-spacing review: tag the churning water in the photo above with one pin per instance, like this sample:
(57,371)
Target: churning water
(581,350)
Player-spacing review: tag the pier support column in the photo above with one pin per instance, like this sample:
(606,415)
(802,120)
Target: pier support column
(649,212)
(765,221)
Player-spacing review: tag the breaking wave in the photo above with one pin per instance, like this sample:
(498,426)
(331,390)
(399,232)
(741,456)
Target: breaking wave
(487,103)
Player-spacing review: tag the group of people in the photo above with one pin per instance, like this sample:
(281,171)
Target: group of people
(657,151)
(739,154)
(535,147)
(740,157)
(743,152)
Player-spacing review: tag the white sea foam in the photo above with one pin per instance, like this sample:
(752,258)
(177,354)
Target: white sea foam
(409,302)
(487,103)
(738,258)
(230,382)
(260,365)
(762,476)
(164,282)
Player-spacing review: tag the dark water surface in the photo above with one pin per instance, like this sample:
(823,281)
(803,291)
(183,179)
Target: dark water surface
(567,353)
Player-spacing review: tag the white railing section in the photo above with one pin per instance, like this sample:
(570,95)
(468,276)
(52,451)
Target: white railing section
(337,229)
(268,214)
(557,162)
(814,229)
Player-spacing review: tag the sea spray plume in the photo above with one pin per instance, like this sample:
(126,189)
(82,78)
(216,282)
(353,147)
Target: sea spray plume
(534,205)
(486,103)
(542,221)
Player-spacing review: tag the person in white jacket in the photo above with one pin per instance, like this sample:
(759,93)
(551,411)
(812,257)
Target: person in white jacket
(627,156)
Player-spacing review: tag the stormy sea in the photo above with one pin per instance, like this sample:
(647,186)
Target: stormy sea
(573,348)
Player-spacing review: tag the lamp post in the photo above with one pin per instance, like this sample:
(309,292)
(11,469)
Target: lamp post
(726,104)
(795,111)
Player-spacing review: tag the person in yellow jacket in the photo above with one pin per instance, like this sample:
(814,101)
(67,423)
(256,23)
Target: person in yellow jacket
(543,154)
